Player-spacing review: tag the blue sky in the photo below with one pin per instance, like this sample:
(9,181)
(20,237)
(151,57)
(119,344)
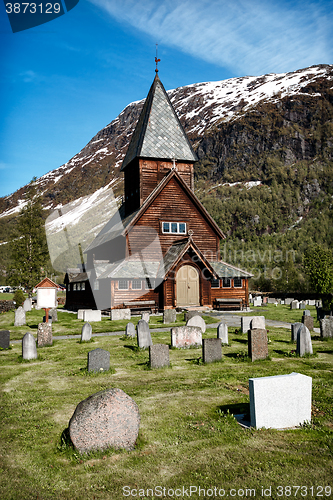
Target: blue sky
(63,81)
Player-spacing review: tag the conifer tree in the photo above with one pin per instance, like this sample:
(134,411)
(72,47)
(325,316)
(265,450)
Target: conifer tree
(318,263)
(29,253)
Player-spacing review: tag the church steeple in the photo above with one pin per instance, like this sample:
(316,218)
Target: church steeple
(159,133)
(158,144)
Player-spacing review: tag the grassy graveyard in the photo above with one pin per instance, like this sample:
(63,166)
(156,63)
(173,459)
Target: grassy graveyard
(188,434)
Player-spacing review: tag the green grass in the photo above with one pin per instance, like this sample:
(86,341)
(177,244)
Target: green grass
(188,435)
(68,324)
(282,313)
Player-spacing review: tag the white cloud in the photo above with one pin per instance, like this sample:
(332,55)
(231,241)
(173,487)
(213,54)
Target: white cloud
(28,76)
(247,36)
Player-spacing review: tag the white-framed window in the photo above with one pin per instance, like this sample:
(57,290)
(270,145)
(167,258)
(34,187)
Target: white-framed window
(226,282)
(215,283)
(136,284)
(96,285)
(238,283)
(174,227)
(74,286)
(123,285)
(83,286)
(149,284)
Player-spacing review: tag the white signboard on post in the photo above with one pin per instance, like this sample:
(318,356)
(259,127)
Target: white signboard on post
(46,298)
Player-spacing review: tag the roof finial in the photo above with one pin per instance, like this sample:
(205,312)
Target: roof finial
(157,60)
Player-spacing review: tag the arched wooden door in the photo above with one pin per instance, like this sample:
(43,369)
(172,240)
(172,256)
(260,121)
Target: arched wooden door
(187,283)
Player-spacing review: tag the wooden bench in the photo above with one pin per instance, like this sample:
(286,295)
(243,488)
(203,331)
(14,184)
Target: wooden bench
(228,304)
(142,305)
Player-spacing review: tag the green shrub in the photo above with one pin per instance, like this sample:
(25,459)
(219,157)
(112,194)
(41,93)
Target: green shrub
(18,298)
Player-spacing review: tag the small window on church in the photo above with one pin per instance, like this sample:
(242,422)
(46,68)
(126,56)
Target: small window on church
(238,282)
(83,286)
(226,282)
(123,285)
(136,285)
(174,227)
(74,286)
(215,283)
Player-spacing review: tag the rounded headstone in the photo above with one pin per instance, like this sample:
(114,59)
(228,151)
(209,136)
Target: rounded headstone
(4,339)
(258,322)
(107,419)
(19,317)
(197,321)
(294,329)
(53,313)
(29,349)
(306,313)
(304,344)
(27,305)
(145,316)
(130,330)
(143,334)
(222,332)
(86,332)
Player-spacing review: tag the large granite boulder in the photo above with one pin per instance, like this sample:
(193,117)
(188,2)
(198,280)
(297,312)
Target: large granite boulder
(107,419)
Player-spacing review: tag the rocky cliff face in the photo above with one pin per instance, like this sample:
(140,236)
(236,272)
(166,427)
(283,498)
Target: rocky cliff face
(235,126)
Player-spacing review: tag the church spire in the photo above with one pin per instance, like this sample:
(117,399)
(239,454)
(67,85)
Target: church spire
(159,134)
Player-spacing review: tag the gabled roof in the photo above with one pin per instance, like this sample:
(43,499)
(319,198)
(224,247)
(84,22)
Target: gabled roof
(159,133)
(119,224)
(47,283)
(176,252)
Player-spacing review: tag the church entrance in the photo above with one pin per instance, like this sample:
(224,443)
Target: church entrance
(187,282)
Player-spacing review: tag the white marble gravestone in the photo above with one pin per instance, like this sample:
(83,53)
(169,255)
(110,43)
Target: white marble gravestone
(281,401)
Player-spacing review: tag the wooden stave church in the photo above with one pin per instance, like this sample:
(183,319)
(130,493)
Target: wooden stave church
(162,236)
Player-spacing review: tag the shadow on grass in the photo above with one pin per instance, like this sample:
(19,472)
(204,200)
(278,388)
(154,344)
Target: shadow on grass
(134,348)
(241,341)
(235,409)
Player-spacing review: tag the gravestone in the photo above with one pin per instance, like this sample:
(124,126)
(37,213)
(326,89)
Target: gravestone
(185,336)
(29,349)
(27,305)
(143,334)
(307,321)
(271,300)
(222,332)
(44,334)
(258,322)
(282,302)
(86,332)
(304,345)
(280,401)
(81,312)
(169,316)
(211,350)
(98,360)
(53,314)
(288,301)
(311,302)
(107,419)
(245,323)
(117,314)
(4,339)
(302,304)
(130,330)
(190,314)
(198,322)
(257,344)
(326,327)
(159,355)
(145,316)
(19,317)
(294,304)
(92,315)
(294,329)
(306,313)
(257,302)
